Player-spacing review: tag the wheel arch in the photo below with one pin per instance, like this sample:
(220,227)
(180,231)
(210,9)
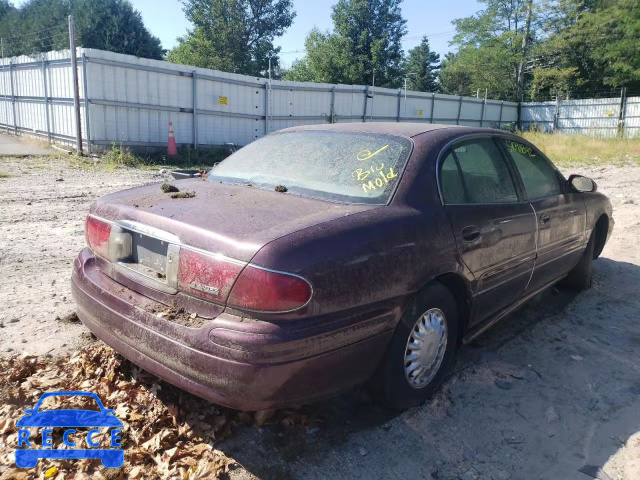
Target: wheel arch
(601,229)
(459,288)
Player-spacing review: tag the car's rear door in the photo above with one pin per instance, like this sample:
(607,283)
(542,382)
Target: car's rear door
(560,214)
(494,227)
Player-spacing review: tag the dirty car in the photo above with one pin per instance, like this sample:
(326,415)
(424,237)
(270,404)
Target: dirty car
(319,257)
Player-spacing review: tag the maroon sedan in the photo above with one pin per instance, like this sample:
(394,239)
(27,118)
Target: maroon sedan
(318,256)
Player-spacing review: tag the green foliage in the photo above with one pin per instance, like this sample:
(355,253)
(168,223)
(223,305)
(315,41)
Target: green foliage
(41,25)
(614,31)
(121,156)
(327,60)
(424,63)
(573,48)
(490,51)
(581,150)
(551,82)
(492,67)
(365,43)
(233,35)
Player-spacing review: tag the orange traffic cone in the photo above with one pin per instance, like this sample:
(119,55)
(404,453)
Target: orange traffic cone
(172,150)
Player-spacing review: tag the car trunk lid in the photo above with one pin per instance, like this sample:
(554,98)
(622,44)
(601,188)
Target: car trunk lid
(158,242)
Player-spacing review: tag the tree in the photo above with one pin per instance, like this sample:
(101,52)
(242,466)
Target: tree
(492,46)
(596,51)
(114,25)
(5,8)
(41,25)
(365,43)
(233,35)
(327,60)
(425,64)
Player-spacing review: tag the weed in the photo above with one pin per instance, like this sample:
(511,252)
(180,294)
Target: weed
(120,155)
(4,175)
(573,150)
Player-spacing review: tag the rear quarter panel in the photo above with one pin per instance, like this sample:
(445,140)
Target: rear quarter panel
(374,260)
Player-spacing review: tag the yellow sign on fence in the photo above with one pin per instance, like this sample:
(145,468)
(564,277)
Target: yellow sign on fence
(223,100)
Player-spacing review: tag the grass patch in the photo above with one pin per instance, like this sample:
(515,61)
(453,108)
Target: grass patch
(574,150)
(4,175)
(121,156)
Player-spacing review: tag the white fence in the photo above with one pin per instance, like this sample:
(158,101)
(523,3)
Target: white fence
(131,100)
(602,117)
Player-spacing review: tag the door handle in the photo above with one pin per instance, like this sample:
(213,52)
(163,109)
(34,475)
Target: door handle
(469,234)
(544,219)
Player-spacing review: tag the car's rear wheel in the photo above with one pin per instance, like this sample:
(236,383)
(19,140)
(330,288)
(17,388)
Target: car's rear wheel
(422,350)
(580,277)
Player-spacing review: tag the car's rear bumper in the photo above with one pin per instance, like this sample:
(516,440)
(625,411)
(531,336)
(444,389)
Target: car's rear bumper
(248,370)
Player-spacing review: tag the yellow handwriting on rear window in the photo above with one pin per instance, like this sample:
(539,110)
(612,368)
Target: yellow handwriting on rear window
(379,180)
(361,174)
(365,155)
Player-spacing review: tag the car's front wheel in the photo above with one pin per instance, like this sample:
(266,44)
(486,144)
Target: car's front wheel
(422,350)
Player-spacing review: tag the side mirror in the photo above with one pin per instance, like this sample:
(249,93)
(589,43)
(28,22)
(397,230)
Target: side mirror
(582,184)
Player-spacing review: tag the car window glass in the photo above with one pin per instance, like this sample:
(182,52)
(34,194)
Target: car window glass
(483,175)
(451,182)
(355,167)
(538,175)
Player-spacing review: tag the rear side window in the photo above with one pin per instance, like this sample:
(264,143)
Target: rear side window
(475,172)
(538,175)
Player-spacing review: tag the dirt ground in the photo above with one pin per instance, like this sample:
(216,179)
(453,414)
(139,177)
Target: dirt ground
(43,204)
(551,390)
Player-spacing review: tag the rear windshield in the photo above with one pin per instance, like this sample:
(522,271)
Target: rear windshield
(350,167)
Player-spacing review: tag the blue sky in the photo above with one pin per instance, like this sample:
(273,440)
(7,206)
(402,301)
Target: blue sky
(166,20)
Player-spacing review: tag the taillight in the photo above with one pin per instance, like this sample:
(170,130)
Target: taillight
(206,275)
(263,290)
(96,233)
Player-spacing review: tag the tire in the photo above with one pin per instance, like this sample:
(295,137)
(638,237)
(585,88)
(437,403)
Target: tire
(400,388)
(579,278)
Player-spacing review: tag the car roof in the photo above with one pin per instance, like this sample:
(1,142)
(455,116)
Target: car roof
(405,129)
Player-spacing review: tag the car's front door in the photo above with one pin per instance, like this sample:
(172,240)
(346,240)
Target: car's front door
(493,227)
(560,214)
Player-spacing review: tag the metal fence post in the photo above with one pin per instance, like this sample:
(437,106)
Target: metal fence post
(13,100)
(500,118)
(399,102)
(556,113)
(46,98)
(433,105)
(484,104)
(333,104)
(76,93)
(366,101)
(87,116)
(5,107)
(622,112)
(195,109)
(459,110)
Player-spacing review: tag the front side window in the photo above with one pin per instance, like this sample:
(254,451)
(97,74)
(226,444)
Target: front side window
(352,167)
(538,175)
(474,171)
